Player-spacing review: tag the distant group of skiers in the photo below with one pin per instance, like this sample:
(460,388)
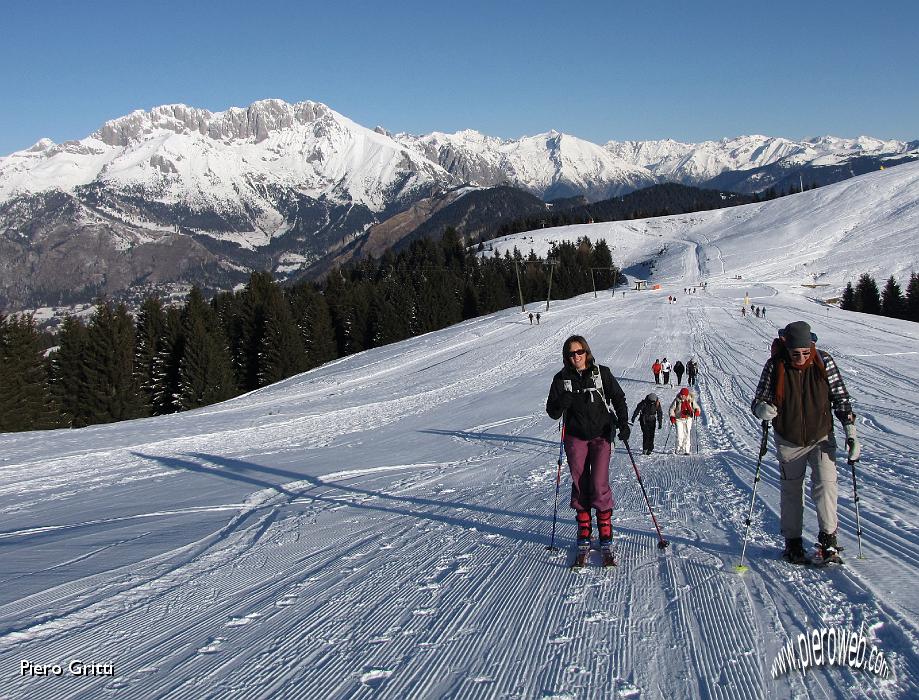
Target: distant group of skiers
(799,390)
(662,369)
(537,319)
(760,311)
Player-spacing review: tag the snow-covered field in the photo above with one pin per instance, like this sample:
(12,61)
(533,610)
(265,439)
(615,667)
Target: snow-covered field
(377,527)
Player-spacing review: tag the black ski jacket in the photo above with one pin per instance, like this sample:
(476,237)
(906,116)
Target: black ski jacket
(678,368)
(649,413)
(586,416)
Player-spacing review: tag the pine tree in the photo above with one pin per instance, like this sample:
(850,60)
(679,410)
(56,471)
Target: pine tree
(282,354)
(912,298)
(311,315)
(892,302)
(69,382)
(867,296)
(169,350)
(26,401)
(848,298)
(205,370)
(112,393)
(151,324)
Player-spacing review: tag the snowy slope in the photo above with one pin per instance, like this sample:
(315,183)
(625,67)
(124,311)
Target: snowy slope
(377,526)
(827,236)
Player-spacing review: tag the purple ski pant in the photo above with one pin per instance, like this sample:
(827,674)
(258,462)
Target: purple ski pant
(588,461)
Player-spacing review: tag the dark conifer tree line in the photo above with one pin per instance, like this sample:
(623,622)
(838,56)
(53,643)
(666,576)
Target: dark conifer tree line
(891,301)
(113,367)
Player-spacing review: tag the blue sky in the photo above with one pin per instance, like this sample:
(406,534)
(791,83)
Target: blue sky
(599,70)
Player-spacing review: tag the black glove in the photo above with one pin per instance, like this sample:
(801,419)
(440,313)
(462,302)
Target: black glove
(624,432)
(565,399)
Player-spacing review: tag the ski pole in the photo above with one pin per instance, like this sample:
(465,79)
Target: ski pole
(762,453)
(668,437)
(661,542)
(558,485)
(858,522)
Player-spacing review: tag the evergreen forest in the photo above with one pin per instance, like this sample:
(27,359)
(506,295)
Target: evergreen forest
(168,358)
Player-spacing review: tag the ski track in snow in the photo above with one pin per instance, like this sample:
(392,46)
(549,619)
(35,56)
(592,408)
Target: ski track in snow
(377,527)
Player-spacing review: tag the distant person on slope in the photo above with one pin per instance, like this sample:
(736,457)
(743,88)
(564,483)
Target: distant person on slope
(665,371)
(656,368)
(799,391)
(678,370)
(683,409)
(581,394)
(531,319)
(649,414)
(692,369)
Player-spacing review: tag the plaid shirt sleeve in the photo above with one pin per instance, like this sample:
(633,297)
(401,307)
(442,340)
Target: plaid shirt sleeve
(839,396)
(765,390)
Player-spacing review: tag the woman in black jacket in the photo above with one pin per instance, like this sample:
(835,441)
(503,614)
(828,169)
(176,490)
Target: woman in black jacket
(582,392)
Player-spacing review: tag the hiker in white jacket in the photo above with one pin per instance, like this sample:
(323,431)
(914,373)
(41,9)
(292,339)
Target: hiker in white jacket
(683,409)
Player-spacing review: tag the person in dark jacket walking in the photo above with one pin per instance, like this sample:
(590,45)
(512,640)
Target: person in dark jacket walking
(650,414)
(678,369)
(799,390)
(581,394)
(692,369)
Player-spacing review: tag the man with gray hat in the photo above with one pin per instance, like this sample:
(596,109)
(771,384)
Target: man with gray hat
(799,390)
(649,413)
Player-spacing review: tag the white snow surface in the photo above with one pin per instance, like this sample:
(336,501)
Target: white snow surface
(377,527)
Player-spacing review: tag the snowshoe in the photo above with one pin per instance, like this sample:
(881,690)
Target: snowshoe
(795,553)
(608,554)
(582,557)
(827,550)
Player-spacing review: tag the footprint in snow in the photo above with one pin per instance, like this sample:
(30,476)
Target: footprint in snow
(213,646)
(240,621)
(375,677)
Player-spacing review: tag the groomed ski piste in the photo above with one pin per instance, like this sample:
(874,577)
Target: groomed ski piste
(377,527)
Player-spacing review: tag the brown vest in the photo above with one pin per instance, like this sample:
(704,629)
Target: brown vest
(804,416)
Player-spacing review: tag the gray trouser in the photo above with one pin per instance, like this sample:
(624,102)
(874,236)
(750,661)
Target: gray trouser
(793,460)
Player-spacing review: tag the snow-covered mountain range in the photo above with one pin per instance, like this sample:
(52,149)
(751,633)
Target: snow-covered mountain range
(185,194)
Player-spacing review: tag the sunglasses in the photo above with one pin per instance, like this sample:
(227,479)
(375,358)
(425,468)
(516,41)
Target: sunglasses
(800,353)
(577,353)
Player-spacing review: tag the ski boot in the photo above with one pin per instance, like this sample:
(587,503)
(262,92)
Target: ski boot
(583,554)
(827,549)
(605,530)
(794,551)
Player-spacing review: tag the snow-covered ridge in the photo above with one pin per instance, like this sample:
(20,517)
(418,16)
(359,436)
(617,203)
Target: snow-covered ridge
(182,153)
(826,237)
(176,153)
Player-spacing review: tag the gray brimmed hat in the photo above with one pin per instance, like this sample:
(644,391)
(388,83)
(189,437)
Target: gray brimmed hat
(797,335)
